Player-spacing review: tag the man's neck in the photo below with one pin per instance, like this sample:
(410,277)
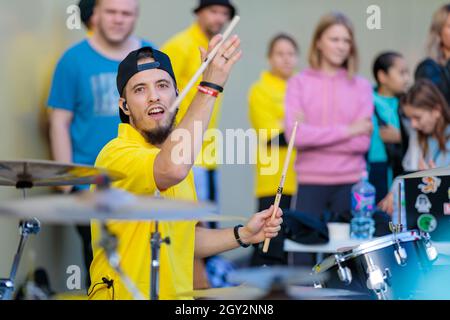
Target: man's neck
(113,51)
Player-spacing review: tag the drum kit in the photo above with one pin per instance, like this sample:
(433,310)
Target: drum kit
(386,268)
(80,208)
(392,267)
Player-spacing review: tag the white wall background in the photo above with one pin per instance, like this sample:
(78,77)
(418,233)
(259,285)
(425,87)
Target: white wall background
(33,34)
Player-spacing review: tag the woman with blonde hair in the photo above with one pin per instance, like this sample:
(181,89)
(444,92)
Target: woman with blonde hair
(436,67)
(334,107)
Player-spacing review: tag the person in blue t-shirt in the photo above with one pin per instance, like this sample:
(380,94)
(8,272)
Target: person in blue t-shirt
(392,76)
(83,98)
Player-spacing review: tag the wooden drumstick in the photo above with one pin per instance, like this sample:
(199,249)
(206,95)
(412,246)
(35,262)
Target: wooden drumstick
(283,179)
(205,63)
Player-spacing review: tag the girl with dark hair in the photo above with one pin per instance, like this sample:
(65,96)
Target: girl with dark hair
(426,108)
(427,111)
(391,75)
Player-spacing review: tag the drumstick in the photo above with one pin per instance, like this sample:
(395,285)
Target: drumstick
(205,63)
(283,179)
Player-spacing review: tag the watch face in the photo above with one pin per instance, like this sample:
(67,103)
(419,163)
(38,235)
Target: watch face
(427,223)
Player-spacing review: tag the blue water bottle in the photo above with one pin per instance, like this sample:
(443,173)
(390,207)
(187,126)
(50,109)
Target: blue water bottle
(362,226)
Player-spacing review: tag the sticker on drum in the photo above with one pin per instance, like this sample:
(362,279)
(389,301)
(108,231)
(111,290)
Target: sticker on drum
(423,204)
(430,184)
(427,223)
(446,209)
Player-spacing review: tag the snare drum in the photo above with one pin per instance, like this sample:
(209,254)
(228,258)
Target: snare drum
(386,268)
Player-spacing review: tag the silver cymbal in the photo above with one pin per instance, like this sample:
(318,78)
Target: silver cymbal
(300,292)
(287,292)
(267,277)
(111,204)
(436,172)
(230,293)
(26,174)
(242,292)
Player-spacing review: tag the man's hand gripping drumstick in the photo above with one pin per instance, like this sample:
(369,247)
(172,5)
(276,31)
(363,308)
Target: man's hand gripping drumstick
(207,61)
(283,179)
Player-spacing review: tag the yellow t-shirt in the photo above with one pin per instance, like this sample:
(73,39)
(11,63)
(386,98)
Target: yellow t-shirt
(185,56)
(266,111)
(131,154)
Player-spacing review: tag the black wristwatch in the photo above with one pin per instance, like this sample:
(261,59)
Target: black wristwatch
(238,239)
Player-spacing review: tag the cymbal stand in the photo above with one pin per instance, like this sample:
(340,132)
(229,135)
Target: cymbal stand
(109,244)
(26,228)
(109,241)
(400,252)
(155,244)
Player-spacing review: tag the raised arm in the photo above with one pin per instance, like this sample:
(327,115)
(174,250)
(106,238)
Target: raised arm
(167,171)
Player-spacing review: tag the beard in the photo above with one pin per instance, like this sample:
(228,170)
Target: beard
(161,133)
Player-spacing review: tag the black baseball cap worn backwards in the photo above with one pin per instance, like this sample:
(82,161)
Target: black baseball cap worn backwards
(129,67)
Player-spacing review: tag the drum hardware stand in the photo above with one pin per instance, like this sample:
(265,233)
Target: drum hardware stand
(431,250)
(109,240)
(6,289)
(344,273)
(26,228)
(376,280)
(109,244)
(155,244)
(400,252)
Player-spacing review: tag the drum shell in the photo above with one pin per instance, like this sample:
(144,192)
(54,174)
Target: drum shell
(402,281)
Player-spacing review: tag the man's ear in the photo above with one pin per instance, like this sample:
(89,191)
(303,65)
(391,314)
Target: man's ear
(123,105)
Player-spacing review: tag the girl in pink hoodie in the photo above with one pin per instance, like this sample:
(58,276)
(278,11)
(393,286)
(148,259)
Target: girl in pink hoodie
(334,108)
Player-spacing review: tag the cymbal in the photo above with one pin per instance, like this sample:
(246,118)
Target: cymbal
(301,292)
(436,172)
(266,277)
(230,293)
(111,204)
(24,174)
(245,292)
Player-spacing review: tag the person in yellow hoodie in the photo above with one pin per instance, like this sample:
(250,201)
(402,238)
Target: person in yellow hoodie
(266,112)
(145,150)
(212,15)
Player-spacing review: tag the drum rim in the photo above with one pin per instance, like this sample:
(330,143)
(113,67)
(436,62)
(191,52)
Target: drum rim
(366,247)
